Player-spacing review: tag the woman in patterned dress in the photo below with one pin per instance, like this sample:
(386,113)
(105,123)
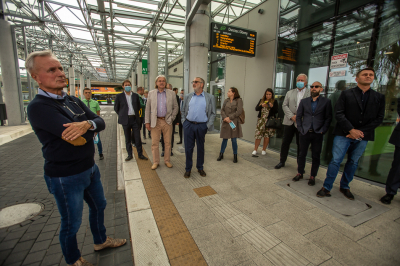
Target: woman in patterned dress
(266,107)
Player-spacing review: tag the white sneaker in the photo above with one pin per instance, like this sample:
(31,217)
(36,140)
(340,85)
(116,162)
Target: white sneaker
(263,153)
(254,152)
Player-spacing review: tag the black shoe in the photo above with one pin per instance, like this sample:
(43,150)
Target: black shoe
(235,158)
(220,157)
(347,193)
(101,156)
(279,165)
(311,181)
(175,132)
(130,157)
(172,154)
(143,157)
(323,193)
(387,199)
(180,142)
(186,175)
(297,177)
(162,154)
(202,173)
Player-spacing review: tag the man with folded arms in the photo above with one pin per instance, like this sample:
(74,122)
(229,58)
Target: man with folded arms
(358,112)
(161,110)
(198,115)
(313,118)
(65,126)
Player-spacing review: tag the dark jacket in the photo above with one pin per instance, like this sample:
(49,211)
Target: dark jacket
(47,117)
(178,116)
(272,111)
(395,137)
(121,108)
(349,113)
(320,119)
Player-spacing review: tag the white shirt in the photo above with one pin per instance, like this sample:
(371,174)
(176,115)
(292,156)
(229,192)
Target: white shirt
(300,95)
(130,107)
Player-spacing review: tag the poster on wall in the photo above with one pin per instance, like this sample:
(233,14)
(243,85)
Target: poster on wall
(340,73)
(339,61)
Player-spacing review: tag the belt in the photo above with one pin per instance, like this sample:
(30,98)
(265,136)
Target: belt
(130,116)
(196,123)
(163,118)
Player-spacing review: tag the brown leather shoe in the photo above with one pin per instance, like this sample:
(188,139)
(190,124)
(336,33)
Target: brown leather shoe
(154,166)
(186,175)
(81,262)
(202,173)
(168,164)
(110,243)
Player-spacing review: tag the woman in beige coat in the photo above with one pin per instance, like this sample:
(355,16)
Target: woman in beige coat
(230,112)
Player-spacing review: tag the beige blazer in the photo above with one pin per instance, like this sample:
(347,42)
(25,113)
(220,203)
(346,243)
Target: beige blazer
(289,105)
(151,108)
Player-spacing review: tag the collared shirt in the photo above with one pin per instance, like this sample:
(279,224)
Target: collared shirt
(92,105)
(130,107)
(161,103)
(300,95)
(197,109)
(364,96)
(313,107)
(56,96)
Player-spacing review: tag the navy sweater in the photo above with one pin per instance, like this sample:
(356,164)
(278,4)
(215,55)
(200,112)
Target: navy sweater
(47,118)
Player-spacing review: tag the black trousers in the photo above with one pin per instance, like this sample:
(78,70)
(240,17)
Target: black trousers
(393,180)
(132,134)
(315,140)
(288,134)
(172,139)
(180,131)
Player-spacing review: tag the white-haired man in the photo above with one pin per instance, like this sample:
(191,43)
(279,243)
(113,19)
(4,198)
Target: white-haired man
(161,110)
(290,105)
(65,126)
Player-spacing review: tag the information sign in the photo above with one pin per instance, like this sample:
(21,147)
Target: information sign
(144,66)
(340,73)
(286,54)
(338,61)
(232,40)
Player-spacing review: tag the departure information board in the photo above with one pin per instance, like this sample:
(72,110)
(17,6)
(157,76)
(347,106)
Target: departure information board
(232,40)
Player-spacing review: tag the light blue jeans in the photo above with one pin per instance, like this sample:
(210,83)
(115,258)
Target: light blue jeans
(225,143)
(341,146)
(69,192)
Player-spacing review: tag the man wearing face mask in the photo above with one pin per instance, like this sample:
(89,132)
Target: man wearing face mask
(127,105)
(290,105)
(313,118)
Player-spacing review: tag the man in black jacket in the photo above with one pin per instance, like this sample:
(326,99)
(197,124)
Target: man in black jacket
(393,180)
(65,126)
(313,117)
(127,105)
(358,112)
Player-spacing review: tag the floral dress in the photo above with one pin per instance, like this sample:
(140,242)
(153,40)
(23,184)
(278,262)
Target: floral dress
(261,130)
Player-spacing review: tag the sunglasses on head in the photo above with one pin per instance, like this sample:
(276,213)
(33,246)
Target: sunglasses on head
(316,86)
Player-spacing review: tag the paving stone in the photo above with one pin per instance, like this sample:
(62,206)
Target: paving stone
(46,236)
(8,244)
(15,257)
(51,227)
(43,245)
(52,259)
(26,245)
(34,257)
(29,236)
(53,249)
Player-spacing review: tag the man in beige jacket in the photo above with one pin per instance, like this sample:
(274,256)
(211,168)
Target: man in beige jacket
(161,110)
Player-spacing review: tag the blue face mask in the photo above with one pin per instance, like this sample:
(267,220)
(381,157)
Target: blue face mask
(300,84)
(128,88)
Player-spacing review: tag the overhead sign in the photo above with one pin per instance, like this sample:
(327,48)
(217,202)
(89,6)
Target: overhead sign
(144,66)
(232,40)
(286,54)
(340,73)
(338,61)
(101,70)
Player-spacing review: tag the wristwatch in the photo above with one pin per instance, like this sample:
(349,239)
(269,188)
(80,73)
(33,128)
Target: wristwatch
(90,123)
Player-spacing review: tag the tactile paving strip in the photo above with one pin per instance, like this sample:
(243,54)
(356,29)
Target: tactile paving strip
(179,244)
(204,191)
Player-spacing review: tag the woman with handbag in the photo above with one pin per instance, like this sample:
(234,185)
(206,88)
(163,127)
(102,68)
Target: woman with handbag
(267,108)
(231,128)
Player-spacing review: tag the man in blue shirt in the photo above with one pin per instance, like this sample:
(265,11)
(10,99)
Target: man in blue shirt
(198,115)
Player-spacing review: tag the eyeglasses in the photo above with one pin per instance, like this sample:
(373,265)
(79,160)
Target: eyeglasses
(69,109)
(316,86)
(196,81)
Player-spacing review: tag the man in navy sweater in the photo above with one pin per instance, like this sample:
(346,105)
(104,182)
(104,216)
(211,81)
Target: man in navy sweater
(65,126)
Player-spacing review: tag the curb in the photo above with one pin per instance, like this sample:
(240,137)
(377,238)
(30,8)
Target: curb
(19,132)
(147,245)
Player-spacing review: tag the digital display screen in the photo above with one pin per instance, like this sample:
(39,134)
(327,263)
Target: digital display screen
(232,40)
(286,54)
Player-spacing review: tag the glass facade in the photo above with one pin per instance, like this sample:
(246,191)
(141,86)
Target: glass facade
(368,34)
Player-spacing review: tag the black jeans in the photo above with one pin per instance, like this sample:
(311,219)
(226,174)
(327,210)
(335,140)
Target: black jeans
(393,180)
(288,134)
(132,133)
(315,139)
(180,131)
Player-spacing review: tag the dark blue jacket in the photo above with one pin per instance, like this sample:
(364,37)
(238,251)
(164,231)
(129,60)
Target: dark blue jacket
(320,119)
(47,118)
(395,137)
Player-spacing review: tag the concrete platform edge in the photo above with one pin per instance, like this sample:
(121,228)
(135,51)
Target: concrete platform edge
(10,136)
(147,245)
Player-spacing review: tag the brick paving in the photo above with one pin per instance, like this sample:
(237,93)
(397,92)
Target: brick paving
(35,241)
